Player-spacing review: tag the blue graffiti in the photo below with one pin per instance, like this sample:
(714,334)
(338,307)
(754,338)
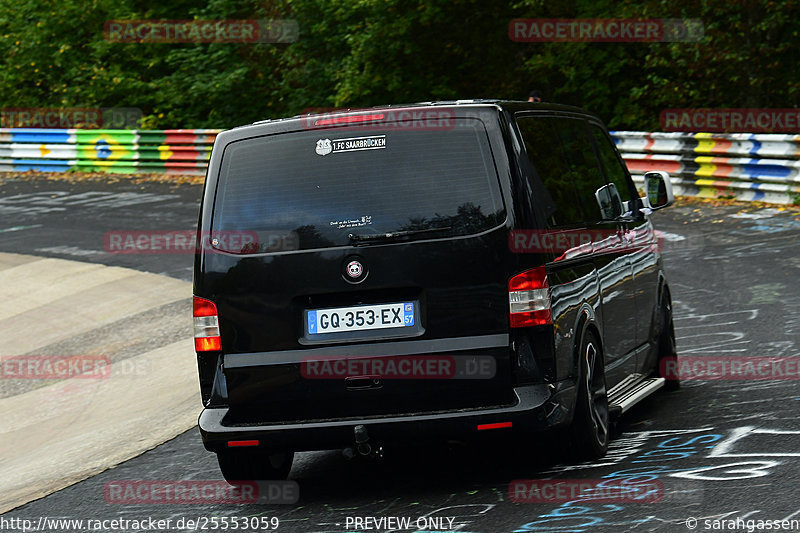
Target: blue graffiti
(670,452)
(577,516)
(103,149)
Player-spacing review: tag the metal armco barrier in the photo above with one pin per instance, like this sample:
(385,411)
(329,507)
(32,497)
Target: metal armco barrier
(753,167)
(118,151)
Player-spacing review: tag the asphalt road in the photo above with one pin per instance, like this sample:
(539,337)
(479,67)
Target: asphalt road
(718,451)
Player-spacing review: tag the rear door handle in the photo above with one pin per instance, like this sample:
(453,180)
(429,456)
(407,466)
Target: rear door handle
(363,382)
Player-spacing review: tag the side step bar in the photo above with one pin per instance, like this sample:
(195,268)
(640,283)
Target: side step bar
(622,403)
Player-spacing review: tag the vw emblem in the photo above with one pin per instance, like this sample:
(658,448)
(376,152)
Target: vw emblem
(354,269)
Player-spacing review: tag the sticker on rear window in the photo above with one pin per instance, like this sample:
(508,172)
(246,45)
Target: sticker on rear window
(352,222)
(352,144)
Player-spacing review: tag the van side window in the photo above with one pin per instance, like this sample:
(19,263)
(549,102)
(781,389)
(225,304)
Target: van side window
(586,176)
(561,153)
(616,173)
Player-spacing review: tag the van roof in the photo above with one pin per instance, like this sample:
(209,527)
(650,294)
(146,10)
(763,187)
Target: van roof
(511,106)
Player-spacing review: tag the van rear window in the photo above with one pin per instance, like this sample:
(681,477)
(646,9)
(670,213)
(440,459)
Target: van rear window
(329,187)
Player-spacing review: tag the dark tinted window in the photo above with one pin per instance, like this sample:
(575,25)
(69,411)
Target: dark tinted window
(615,172)
(561,153)
(546,154)
(586,174)
(323,185)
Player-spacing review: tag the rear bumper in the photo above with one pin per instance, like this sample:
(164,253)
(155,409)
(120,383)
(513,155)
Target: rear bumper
(538,407)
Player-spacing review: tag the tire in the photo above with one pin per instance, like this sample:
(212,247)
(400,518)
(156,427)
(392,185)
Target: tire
(254,465)
(591,427)
(666,347)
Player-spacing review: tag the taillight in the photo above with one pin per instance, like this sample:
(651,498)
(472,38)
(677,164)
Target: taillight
(206,325)
(529,299)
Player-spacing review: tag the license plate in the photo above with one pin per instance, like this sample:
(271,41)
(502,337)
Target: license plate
(360,318)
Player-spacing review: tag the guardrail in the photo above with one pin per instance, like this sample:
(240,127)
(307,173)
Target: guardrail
(756,167)
(746,166)
(117,151)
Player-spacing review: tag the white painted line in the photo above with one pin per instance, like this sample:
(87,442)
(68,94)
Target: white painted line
(67,304)
(58,435)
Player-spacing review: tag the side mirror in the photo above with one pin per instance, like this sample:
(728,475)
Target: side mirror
(610,201)
(659,189)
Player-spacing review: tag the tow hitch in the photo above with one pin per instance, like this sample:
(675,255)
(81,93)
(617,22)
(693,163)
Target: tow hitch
(363,446)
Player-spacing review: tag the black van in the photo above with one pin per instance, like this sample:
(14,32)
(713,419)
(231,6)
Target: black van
(440,270)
